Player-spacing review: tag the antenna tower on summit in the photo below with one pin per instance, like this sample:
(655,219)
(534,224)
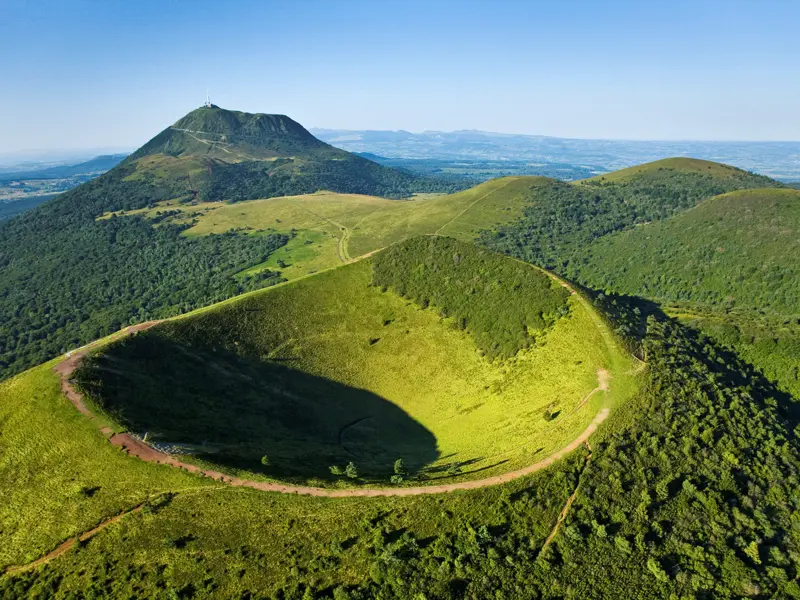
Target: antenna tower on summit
(208,100)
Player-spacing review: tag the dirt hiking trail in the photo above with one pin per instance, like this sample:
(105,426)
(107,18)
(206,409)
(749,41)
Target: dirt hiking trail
(137,448)
(71,542)
(143,451)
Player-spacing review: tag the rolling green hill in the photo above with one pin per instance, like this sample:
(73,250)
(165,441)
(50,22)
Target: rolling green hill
(715,243)
(687,488)
(338,367)
(735,249)
(562,219)
(657,170)
(682,233)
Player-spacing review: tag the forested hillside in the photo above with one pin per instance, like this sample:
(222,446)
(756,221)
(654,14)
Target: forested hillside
(736,249)
(66,279)
(770,343)
(716,244)
(562,220)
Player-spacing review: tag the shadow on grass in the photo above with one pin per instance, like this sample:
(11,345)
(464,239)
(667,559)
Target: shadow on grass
(456,469)
(238,410)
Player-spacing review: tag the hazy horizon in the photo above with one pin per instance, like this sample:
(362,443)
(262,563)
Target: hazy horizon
(65,153)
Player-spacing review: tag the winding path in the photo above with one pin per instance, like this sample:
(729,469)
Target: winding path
(62,548)
(137,448)
(143,451)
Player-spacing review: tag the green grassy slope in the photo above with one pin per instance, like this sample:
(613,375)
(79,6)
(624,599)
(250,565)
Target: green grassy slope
(328,229)
(690,487)
(656,169)
(737,249)
(59,475)
(331,369)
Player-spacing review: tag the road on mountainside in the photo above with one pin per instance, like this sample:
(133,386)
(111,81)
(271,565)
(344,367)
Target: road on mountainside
(71,542)
(341,248)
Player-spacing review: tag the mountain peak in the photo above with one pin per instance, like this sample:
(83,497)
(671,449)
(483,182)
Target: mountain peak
(220,121)
(230,136)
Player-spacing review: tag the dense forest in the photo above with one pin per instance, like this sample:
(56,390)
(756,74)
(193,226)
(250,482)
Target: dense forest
(66,278)
(516,302)
(769,343)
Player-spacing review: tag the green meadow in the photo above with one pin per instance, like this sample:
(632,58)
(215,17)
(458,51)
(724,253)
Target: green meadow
(330,229)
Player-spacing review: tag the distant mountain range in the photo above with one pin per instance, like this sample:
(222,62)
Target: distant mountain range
(96,165)
(779,160)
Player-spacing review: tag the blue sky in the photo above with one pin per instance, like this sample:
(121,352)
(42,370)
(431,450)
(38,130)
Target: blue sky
(112,73)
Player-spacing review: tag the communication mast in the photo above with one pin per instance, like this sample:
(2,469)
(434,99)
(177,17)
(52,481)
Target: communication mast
(208,100)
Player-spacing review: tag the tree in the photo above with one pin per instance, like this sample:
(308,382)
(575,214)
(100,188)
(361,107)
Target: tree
(336,470)
(400,468)
(265,460)
(351,470)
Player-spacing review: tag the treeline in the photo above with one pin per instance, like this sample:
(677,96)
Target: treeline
(502,304)
(563,219)
(345,174)
(66,279)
